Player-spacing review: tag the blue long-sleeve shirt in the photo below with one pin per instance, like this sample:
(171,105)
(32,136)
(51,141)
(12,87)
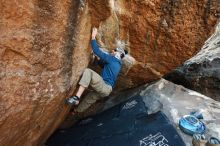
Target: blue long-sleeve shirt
(111,65)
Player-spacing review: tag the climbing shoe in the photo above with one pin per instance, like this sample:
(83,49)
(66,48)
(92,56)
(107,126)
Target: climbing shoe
(213,142)
(199,140)
(74,100)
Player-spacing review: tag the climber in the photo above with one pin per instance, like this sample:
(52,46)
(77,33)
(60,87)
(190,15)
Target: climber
(111,66)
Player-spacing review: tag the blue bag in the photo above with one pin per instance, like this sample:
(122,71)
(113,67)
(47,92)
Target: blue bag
(189,124)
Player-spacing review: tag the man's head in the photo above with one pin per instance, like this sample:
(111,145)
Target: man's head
(119,53)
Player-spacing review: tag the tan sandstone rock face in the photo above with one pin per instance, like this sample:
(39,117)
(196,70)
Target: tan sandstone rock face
(44,47)
(160,35)
(43,52)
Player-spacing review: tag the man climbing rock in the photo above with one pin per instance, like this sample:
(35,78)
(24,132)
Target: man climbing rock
(111,66)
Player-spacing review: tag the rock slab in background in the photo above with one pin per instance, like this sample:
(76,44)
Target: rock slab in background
(177,101)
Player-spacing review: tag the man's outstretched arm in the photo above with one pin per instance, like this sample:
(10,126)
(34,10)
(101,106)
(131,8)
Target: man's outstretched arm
(95,48)
(94,33)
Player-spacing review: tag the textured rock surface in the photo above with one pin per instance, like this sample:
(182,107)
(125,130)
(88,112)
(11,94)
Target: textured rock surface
(44,46)
(202,72)
(39,65)
(160,35)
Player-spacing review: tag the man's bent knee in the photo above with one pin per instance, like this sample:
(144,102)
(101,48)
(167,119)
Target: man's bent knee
(86,78)
(106,92)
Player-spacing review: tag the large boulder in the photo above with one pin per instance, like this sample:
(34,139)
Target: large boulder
(41,59)
(202,72)
(45,47)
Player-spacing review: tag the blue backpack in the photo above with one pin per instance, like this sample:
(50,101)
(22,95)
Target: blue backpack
(189,124)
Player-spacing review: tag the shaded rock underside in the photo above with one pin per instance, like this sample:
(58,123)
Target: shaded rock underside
(202,72)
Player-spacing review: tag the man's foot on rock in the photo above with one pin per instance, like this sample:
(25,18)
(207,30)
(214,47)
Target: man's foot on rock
(74,100)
